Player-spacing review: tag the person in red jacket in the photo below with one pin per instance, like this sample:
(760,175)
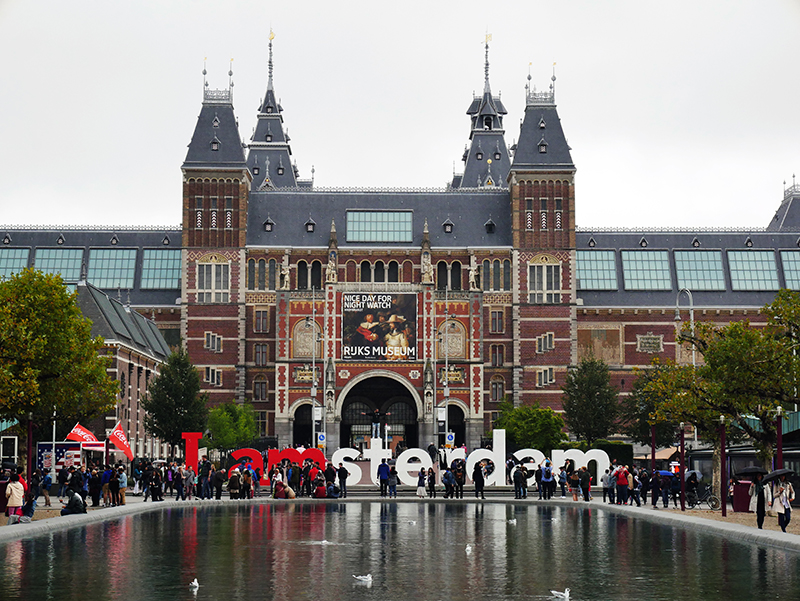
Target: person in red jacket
(622,485)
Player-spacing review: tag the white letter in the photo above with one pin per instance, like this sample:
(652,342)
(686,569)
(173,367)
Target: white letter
(497,455)
(339,456)
(404,465)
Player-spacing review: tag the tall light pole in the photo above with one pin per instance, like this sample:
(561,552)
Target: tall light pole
(446,378)
(779,433)
(723,468)
(691,325)
(311,322)
(682,471)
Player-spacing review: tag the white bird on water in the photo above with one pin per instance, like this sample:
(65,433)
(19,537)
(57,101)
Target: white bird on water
(560,595)
(468,549)
(194,585)
(367,578)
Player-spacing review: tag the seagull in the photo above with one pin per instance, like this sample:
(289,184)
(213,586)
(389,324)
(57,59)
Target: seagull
(513,522)
(468,549)
(194,585)
(560,595)
(367,578)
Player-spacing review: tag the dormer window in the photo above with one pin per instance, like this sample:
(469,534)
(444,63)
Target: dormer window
(489,225)
(60,240)
(269,109)
(268,225)
(496,156)
(643,243)
(479,155)
(165,241)
(280,170)
(114,240)
(268,137)
(541,123)
(310,225)
(487,123)
(542,147)
(215,122)
(748,243)
(215,144)
(447,226)
(7,239)
(256,169)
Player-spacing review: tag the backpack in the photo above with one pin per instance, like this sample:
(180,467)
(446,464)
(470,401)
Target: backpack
(547,472)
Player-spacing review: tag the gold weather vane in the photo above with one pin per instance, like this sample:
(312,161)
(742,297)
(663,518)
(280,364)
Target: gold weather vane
(488,38)
(271,35)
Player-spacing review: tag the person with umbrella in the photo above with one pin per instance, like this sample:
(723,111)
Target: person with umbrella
(760,498)
(691,488)
(783,495)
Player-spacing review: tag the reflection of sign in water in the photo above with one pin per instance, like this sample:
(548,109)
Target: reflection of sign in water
(379,327)
(649,343)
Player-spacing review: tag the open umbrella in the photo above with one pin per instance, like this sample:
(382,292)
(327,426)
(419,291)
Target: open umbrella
(751,471)
(777,474)
(690,472)
(666,473)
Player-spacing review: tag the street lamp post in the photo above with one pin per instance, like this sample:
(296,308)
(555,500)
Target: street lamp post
(682,471)
(446,378)
(779,432)
(315,338)
(691,326)
(723,468)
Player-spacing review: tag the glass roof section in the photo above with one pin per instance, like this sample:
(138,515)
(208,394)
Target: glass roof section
(646,270)
(379,226)
(161,270)
(597,270)
(753,270)
(13,260)
(112,267)
(66,261)
(791,268)
(699,269)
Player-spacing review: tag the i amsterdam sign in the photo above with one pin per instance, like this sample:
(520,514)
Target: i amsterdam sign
(409,462)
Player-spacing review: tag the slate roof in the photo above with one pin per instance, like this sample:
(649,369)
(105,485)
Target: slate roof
(115,323)
(230,153)
(787,217)
(468,209)
(527,155)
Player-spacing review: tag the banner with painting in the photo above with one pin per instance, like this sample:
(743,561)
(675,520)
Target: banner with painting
(379,327)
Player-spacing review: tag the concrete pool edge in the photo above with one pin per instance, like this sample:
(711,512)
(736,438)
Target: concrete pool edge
(738,532)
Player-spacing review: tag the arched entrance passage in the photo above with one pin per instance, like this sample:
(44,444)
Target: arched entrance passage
(456,423)
(388,396)
(301,429)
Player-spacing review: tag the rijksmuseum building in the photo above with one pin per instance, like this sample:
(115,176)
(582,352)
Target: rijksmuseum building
(429,305)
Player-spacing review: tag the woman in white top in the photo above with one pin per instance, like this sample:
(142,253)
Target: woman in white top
(783,495)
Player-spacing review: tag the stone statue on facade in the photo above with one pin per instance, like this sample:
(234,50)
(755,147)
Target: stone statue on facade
(473,273)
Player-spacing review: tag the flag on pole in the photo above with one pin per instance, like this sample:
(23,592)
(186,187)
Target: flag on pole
(121,441)
(81,434)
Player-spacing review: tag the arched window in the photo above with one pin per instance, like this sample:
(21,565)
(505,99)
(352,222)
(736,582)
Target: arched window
(272,273)
(506,275)
(486,275)
(260,388)
(380,272)
(316,275)
(496,275)
(262,274)
(302,275)
(251,274)
(498,388)
(366,271)
(441,276)
(455,275)
(394,272)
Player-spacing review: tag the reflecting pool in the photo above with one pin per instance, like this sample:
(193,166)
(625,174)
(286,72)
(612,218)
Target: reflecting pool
(418,551)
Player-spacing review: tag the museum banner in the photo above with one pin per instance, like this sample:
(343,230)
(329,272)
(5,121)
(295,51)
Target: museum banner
(379,327)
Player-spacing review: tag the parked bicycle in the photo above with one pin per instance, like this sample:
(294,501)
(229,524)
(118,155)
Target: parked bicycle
(693,499)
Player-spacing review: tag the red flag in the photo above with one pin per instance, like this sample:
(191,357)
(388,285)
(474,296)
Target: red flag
(81,434)
(121,441)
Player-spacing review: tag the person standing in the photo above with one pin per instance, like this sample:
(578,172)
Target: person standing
(63,480)
(622,485)
(655,487)
(449,482)
(604,483)
(233,484)
(478,479)
(15,495)
(95,488)
(431,483)
(760,499)
(548,482)
(188,482)
(155,485)
(219,480)
(113,487)
(47,483)
(586,483)
(460,475)
(383,477)
(783,495)
(520,482)
(342,474)
(392,482)
(562,482)
(205,479)
(177,479)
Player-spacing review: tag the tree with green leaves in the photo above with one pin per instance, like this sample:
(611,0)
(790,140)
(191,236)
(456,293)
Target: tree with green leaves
(231,426)
(174,404)
(531,426)
(636,409)
(590,402)
(48,358)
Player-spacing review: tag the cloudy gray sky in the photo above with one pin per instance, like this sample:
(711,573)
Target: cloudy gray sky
(678,113)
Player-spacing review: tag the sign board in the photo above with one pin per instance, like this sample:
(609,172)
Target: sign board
(321,440)
(449,440)
(441,414)
(379,327)
(317,414)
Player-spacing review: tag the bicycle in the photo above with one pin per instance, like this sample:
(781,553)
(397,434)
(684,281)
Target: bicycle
(713,502)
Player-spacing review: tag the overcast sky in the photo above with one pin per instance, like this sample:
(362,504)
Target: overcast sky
(680,113)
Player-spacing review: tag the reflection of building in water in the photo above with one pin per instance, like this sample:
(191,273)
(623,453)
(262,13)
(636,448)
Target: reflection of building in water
(495,255)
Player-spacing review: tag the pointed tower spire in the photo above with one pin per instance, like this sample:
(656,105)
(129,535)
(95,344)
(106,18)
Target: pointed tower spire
(271,37)
(486,88)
